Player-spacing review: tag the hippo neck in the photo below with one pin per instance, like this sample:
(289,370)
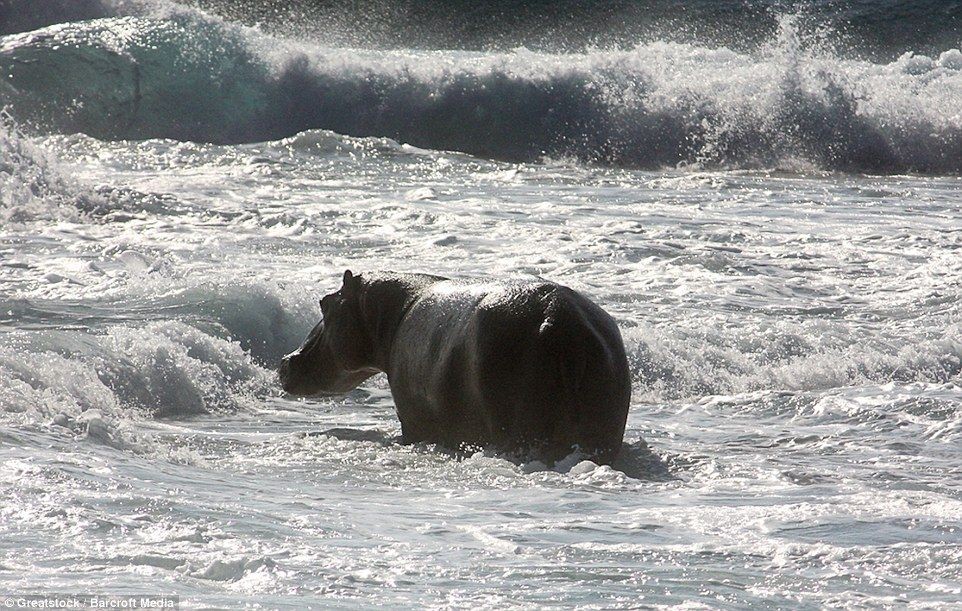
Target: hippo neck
(384,302)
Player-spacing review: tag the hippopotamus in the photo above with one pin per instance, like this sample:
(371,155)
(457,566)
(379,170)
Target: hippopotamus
(524,366)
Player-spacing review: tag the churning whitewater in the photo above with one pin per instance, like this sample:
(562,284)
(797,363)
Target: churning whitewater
(777,232)
(655,105)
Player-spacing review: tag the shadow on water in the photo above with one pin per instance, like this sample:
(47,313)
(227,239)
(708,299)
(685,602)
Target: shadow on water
(636,459)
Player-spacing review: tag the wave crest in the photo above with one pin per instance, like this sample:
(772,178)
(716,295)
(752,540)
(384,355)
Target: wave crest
(657,105)
(32,186)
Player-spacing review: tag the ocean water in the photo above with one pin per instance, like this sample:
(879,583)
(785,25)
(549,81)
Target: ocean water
(777,231)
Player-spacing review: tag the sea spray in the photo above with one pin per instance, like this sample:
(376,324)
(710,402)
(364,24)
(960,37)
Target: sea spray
(653,106)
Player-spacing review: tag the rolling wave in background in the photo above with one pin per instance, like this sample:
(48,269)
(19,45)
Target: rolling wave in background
(789,104)
(880,30)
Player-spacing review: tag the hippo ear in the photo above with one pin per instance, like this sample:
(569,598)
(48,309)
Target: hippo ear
(351,282)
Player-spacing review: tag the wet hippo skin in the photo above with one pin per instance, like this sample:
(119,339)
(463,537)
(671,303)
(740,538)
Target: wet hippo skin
(524,365)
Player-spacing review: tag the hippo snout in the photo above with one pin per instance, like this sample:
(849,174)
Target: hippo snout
(296,374)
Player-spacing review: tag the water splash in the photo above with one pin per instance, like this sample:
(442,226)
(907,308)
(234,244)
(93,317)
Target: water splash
(793,104)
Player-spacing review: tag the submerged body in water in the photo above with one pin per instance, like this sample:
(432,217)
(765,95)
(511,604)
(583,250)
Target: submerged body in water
(522,366)
(793,327)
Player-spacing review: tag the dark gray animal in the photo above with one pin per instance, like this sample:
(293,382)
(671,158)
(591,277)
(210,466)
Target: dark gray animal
(527,365)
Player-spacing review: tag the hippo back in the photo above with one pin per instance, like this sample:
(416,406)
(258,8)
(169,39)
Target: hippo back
(520,364)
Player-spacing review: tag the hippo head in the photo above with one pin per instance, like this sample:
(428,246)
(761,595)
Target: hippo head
(336,356)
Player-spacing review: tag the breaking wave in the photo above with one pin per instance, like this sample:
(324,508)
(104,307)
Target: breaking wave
(676,365)
(32,187)
(217,357)
(787,105)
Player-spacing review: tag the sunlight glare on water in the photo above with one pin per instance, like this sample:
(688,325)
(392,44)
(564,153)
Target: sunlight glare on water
(794,334)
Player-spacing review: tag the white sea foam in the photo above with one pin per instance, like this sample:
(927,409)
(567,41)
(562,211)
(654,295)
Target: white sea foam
(793,336)
(790,105)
